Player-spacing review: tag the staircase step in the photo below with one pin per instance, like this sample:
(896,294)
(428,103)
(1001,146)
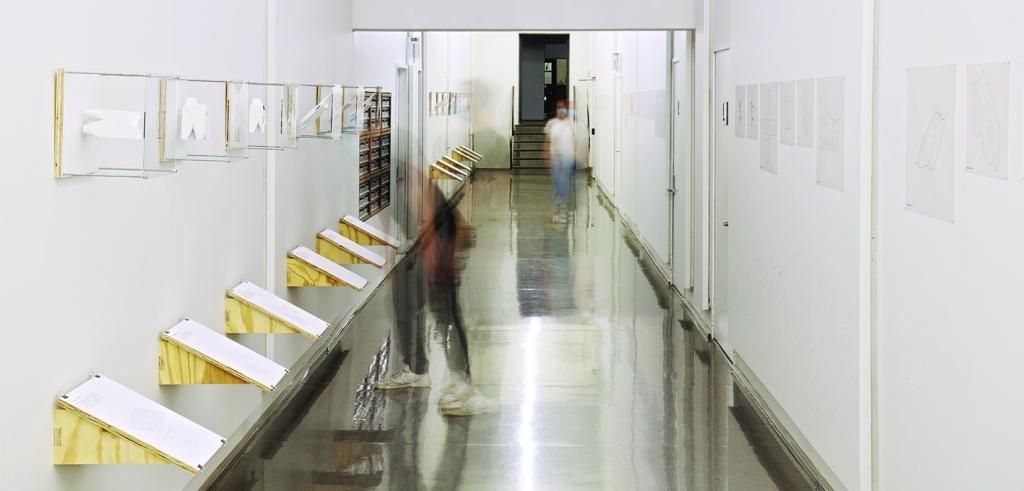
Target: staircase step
(530,138)
(530,154)
(521,145)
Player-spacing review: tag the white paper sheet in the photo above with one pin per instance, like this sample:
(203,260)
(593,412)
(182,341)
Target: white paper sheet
(787,113)
(752,112)
(351,246)
(769,127)
(193,120)
(831,131)
(220,349)
(257,116)
(111,123)
(740,121)
(372,231)
(931,121)
(119,407)
(280,308)
(805,113)
(988,117)
(329,267)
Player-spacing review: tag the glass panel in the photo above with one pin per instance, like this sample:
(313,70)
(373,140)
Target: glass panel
(110,125)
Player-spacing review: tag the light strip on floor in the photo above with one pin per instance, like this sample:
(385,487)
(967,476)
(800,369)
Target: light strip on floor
(527,446)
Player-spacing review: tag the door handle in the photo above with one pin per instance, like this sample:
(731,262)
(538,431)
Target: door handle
(725,224)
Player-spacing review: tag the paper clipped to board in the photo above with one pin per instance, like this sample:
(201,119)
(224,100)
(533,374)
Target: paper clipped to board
(351,246)
(150,423)
(249,364)
(329,267)
(280,308)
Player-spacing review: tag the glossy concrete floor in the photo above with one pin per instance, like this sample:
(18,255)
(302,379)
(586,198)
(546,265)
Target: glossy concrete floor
(599,380)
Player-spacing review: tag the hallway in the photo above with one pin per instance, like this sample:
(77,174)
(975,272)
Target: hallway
(600,381)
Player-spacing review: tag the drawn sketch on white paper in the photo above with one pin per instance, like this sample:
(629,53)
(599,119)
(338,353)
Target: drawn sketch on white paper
(769,127)
(805,113)
(111,123)
(740,102)
(752,113)
(830,130)
(931,120)
(787,113)
(988,116)
(193,120)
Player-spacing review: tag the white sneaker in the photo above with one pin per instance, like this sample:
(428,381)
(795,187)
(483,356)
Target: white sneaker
(476,403)
(404,378)
(454,395)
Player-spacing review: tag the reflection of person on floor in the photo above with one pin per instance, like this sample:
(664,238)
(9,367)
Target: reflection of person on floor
(560,146)
(437,267)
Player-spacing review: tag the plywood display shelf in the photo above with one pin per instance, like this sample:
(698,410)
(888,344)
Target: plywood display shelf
(456,165)
(103,422)
(343,250)
(307,268)
(440,171)
(468,154)
(363,234)
(251,309)
(191,353)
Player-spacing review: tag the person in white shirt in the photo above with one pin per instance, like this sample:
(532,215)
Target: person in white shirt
(560,146)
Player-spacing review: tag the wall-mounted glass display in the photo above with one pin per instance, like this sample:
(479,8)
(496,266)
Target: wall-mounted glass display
(111,124)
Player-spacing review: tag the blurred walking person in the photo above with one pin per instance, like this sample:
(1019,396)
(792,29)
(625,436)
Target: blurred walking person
(560,147)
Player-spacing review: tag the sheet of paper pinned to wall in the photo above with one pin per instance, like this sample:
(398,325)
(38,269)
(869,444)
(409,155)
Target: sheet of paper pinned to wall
(988,117)
(226,352)
(831,131)
(329,267)
(751,112)
(150,423)
(805,113)
(280,308)
(738,120)
(787,113)
(769,127)
(931,121)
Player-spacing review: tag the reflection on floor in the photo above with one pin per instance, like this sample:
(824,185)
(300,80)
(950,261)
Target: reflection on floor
(601,381)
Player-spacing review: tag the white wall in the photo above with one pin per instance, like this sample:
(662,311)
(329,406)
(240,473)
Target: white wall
(447,65)
(949,310)
(495,73)
(796,262)
(535,15)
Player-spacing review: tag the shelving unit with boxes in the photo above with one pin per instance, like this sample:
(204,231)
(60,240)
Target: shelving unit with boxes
(375,155)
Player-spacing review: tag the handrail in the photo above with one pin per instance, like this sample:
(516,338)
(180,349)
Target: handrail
(512,128)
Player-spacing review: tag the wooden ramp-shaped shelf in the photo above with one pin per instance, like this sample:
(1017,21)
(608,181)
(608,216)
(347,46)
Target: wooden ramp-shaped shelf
(307,268)
(453,167)
(364,234)
(343,250)
(439,171)
(469,153)
(251,309)
(103,422)
(191,353)
(459,166)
